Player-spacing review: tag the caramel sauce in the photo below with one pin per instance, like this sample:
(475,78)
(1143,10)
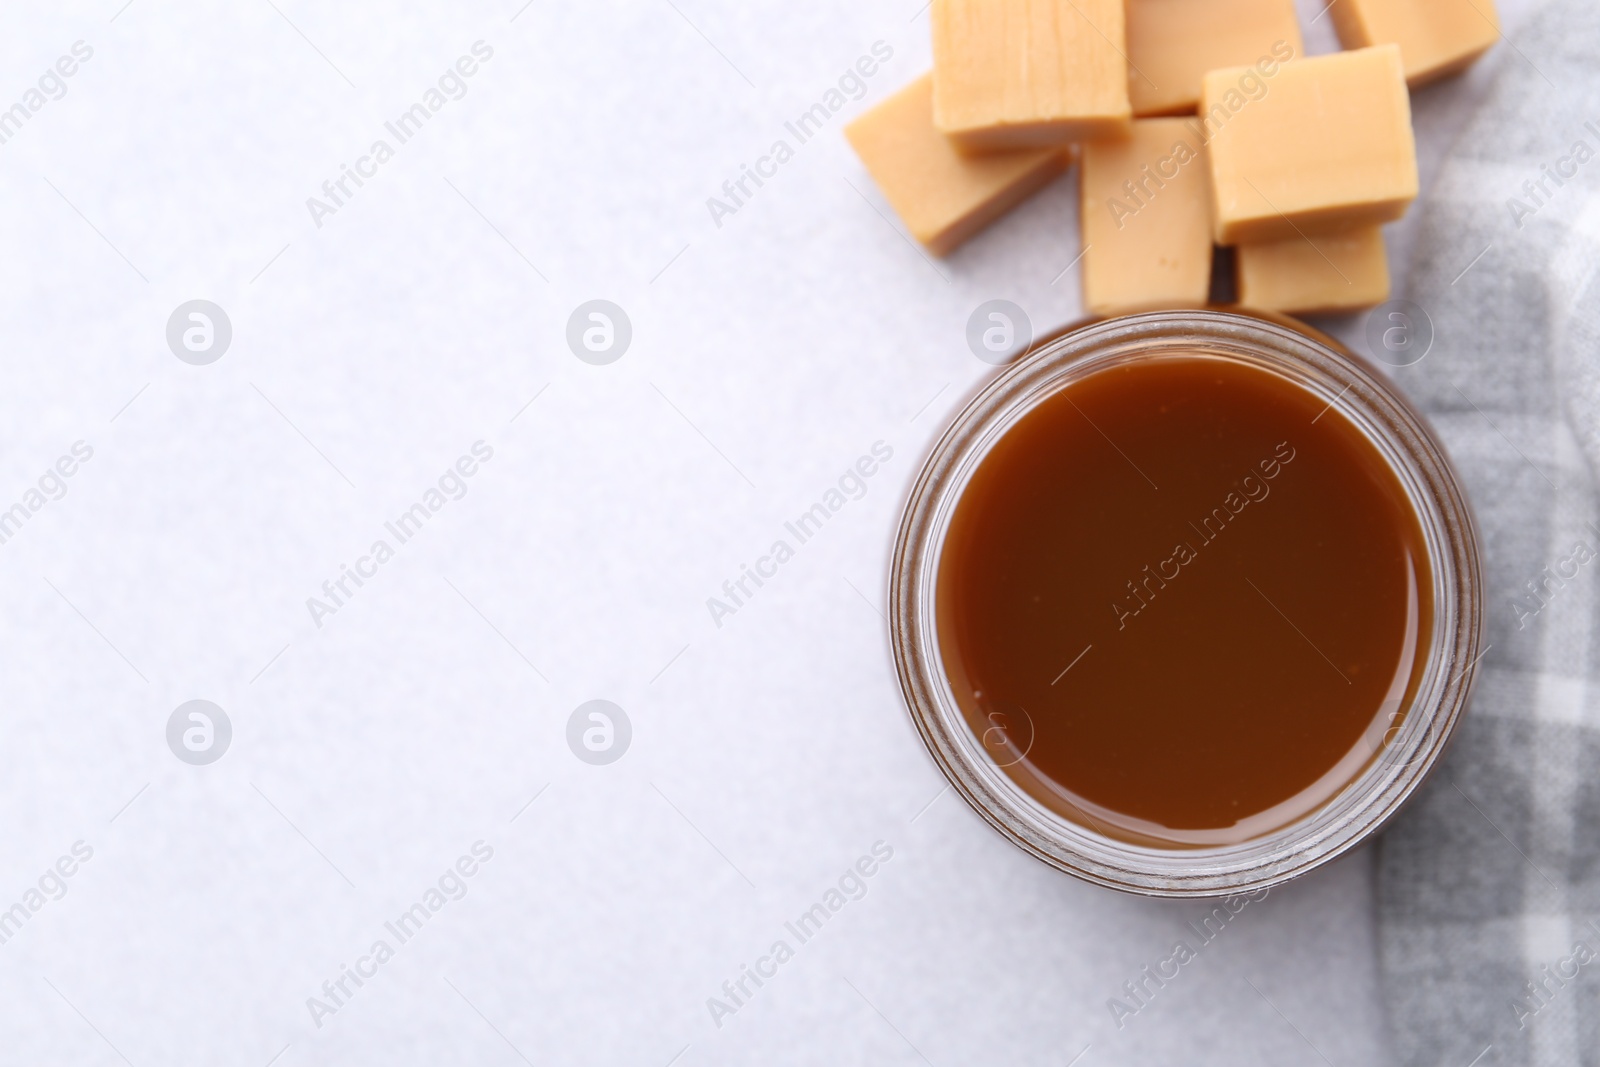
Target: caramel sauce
(1181,600)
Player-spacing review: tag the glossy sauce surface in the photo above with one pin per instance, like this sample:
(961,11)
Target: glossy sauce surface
(1181,600)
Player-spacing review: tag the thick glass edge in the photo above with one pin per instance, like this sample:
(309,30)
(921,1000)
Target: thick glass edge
(1400,763)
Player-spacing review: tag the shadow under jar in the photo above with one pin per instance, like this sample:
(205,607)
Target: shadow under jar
(1187,603)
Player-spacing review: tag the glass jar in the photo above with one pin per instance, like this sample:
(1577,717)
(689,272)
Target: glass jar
(1405,746)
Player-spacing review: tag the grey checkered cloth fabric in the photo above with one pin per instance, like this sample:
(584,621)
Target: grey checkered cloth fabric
(1489,883)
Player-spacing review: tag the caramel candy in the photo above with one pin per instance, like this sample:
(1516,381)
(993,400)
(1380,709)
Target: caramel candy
(1010,75)
(1437,38)
(1304,275)
(942,196)
(1173,43)
(1146,219)
(1320,145)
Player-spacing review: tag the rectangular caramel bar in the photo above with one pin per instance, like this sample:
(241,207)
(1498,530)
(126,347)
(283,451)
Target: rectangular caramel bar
(1323,145)
(1303,275)
(1146,219)
(1173,43)
(1013,74)
(1436,37)
(942,196)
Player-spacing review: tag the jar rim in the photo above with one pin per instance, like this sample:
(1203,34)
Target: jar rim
(1403,757)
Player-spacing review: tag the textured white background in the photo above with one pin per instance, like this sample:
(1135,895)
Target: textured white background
(767,755)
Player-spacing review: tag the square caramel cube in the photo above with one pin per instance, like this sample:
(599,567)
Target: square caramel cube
(1315,146)
(942,196)
(1145,214)
(1010,74)
(1173,43)
(1437,38)
(1306,275)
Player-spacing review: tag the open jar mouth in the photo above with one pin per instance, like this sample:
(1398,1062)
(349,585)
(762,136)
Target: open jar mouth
(1402,756)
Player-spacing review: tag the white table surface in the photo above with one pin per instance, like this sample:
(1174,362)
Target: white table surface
(371,752)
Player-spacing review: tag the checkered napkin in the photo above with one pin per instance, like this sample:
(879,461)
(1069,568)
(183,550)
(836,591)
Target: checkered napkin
(1489,883)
